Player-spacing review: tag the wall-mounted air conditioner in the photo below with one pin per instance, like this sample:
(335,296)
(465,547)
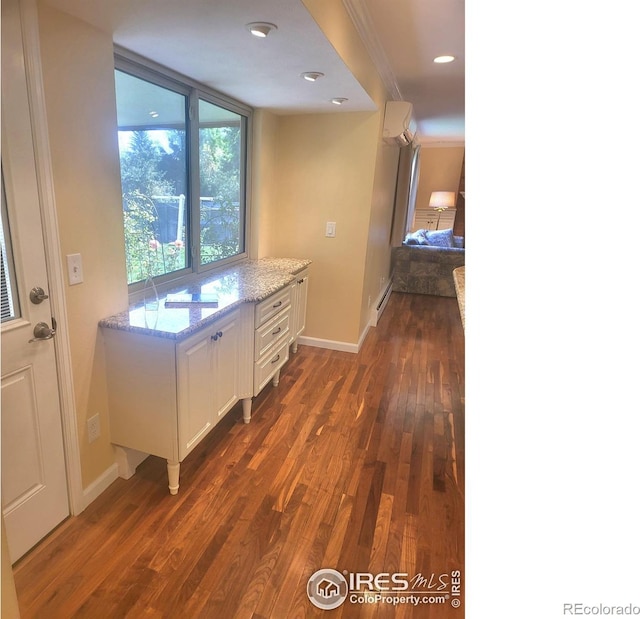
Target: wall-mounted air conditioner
(399,126)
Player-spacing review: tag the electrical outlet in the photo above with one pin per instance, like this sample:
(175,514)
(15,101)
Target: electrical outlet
(93,428)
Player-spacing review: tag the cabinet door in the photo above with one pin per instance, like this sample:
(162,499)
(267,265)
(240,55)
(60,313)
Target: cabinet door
(431,222)
(301,302)
(226,348)
(293,325)
(446,219)
(196,389)
(214,372)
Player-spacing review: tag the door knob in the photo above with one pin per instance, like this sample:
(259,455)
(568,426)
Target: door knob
(42,331)
(37,295)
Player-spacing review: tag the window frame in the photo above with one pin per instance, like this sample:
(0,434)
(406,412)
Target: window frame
(142,68)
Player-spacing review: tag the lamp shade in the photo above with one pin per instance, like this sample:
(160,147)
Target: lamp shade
(442,199)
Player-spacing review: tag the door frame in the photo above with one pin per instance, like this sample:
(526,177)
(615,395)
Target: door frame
(52,248)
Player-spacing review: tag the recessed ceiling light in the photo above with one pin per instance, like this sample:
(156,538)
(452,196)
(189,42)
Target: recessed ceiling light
(444,59)
(154,114)
(339,100)
(261,28)
(312,76)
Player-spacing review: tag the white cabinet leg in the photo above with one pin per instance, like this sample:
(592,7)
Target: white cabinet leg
(294,347)
(246,410)
(173,470)
(276,378)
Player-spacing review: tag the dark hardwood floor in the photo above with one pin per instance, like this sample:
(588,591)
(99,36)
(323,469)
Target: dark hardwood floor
(354,462)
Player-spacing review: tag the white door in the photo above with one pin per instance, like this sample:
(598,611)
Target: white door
(34,482)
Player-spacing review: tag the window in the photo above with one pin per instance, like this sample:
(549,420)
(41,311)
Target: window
(183,153)
(220,156)
(10,306)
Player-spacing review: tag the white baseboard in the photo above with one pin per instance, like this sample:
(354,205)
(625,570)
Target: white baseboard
(333,344)
(330,344)
(376,312)
(363,335)
(99,485)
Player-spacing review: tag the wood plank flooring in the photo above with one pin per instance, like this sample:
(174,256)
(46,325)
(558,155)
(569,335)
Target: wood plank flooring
(355,462)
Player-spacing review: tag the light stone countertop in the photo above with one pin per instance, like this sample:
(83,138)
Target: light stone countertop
(248,282)
(458,280)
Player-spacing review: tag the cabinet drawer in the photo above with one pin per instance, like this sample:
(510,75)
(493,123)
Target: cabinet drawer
(267,366)
(271,332)
(272,305)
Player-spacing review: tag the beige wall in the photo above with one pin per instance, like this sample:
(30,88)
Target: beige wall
(440,170)
(342,172)
(326,176)
(264,185)
(77,63)
(378,259)
(333,19)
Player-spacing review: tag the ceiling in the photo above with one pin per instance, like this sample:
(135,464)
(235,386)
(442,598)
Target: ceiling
(208,41)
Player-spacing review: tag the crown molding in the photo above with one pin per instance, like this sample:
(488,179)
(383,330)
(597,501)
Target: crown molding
(363,23)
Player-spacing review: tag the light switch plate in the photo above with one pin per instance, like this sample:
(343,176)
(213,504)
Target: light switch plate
(74,268)
(331,229)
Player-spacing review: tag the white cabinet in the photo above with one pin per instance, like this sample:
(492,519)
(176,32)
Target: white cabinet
(446,219)
(209,379)
(271,339)
(165,396)
(428,219)
(430,222)
(299,289)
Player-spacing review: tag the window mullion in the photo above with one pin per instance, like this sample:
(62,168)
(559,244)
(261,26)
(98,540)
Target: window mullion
(194,178)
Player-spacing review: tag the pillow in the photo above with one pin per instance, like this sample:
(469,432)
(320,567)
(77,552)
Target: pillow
(414,238)
(440,238)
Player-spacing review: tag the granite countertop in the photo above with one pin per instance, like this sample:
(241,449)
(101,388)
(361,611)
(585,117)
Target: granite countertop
(249,282)
(458,280)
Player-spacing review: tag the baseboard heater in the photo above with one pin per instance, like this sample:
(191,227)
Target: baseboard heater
(384,299)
